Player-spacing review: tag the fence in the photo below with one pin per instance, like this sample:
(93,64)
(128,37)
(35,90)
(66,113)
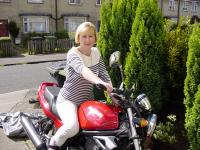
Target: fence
(6,48)
(39,45)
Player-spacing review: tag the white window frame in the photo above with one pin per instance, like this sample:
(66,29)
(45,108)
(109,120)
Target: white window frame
(75,2)
(98,2)
(186,5)
(27,23)
(194,6)
(36,1)
(71,23)
(171,5)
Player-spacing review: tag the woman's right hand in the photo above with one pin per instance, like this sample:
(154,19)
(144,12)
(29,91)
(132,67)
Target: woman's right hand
(115,101)
(108,87)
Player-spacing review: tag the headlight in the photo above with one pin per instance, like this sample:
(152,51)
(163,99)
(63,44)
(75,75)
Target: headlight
(143,101)
(152,119)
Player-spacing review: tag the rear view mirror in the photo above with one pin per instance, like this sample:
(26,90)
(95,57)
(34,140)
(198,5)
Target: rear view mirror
(114,59)
(114,62)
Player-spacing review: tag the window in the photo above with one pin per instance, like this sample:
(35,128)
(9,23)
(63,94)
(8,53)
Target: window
(74,1)
(35,1)
(71,24)
(185,5)
(5,1)
(98,2)
(194,6)
(171,4)
(36,24)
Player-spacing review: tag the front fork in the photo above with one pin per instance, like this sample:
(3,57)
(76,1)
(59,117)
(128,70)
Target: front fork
(133,135)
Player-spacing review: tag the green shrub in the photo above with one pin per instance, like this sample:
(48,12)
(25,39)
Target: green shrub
(62,34)
(71,35)
(104,36)
(176,49)
(13,29)
(192,89)
(115,30)
(144,62)
(165,131)
(193,123)
(123,14)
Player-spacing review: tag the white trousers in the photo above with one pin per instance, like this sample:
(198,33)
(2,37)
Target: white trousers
(67,111)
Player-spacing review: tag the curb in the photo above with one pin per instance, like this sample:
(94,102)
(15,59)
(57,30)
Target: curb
(31,62)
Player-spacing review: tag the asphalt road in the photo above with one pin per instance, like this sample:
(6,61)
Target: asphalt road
(25,76)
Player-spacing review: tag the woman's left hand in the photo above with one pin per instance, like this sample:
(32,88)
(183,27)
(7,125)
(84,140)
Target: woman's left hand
(108,87)
(115,101)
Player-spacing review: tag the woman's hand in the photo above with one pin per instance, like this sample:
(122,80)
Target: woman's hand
(115,101)
(108,87)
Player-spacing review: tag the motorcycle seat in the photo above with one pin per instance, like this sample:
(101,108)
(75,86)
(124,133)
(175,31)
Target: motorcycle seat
(51,94)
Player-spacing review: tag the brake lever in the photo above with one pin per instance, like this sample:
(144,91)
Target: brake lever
(118,96)
(117,91)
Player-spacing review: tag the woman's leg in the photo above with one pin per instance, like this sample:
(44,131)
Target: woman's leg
(67,111)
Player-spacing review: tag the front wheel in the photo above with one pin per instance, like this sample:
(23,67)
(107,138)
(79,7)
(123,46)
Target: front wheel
(126,144)
(137,144)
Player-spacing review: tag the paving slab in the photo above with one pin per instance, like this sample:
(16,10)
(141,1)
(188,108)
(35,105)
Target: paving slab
(15,102)
(19,100)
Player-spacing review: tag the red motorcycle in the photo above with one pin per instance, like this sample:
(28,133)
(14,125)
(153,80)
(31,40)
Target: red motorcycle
(102,126)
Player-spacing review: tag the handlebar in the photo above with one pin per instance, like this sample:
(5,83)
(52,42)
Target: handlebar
(122,96)
(101,87)
(115,90)
(117,93)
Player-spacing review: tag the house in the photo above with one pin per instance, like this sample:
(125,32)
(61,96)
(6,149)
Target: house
(48,16)
(174,9)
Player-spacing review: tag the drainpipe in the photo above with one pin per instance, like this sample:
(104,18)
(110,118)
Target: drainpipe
(161,4)
(178,13)
(56,14)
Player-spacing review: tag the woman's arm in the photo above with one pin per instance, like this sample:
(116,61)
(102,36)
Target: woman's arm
(90,76)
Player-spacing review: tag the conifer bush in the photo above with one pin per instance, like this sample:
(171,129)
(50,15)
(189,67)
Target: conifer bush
(123,14)
(192,90)
(176,49)
(115,30)
(104,36)
(144,62)
(13,30)
(193,123)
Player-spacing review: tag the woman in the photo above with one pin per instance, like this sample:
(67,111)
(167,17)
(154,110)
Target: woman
(85,67)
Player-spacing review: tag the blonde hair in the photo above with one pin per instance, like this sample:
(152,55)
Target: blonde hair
(82,27)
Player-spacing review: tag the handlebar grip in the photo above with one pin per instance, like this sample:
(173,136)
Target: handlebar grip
(115,90)
(118,91)
(101,87)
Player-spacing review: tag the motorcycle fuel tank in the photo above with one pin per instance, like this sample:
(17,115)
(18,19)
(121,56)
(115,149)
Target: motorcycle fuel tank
(94,115)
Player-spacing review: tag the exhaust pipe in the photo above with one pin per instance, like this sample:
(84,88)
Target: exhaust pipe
(32,133)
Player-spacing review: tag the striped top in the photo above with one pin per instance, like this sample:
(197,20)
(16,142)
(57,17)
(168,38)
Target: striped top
(76,88)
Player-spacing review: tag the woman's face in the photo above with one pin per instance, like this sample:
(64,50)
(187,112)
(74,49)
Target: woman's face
(87,39)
